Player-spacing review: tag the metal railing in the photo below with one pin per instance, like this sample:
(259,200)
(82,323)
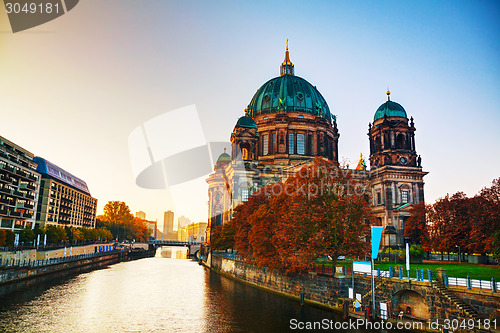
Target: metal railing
(18,263)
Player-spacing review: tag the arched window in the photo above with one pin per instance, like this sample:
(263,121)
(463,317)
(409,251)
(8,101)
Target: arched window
(244,194)
(245,154)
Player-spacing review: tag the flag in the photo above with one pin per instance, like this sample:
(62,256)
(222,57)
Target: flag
(407,257)
(376,238)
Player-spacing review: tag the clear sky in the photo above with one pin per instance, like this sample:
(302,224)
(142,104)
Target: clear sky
(72,90)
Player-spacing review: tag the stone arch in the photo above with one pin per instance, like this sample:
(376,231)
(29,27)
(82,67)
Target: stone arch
(412,303)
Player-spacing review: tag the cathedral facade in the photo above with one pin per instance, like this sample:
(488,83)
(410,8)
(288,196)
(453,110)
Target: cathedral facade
(287,124)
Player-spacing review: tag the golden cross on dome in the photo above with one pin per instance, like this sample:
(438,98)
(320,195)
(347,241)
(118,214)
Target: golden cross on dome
(287,44)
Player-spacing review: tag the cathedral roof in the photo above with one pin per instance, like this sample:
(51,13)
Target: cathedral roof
(224,157)
(246,122)
(390,109)
(288,93)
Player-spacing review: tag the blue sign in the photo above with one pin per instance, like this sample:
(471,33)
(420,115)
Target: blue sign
(376,238)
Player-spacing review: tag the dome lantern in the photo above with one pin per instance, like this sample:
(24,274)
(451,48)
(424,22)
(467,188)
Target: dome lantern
(286,67)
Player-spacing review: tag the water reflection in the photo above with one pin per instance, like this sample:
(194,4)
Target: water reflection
(173,252)
(152,295)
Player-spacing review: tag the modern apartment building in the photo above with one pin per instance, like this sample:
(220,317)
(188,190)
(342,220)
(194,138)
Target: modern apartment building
(19,183)
(64,199)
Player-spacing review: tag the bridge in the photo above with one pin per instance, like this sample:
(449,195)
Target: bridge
(194,247)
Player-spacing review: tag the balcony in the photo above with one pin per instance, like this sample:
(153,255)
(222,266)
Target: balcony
(22,173)
(6,190)
(4,212)
(33,178)
(24,205)
(27,215)
(8,168)
(7,202)
(15,214)
(18,194)
(27,187)
(29,196)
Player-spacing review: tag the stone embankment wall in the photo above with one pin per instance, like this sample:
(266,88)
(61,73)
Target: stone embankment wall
(318,289)
(424,300)
(16,278)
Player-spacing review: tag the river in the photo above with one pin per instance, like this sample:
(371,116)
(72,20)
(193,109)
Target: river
(151,295)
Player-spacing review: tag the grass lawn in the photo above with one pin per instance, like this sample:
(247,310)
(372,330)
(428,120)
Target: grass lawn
(475,271)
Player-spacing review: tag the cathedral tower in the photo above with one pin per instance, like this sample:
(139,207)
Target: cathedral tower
(396,175)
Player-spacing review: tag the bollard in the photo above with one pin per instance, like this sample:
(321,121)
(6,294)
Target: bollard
(302,297)
(401,272)
(417,276)
(333,270)
(391,274)
(345,270)
(468,282)
(323,268)
(378,272)
(493,285)
(429,275)
(421,274)
(445,279)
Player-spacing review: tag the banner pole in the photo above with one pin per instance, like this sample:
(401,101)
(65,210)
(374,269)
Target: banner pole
(373,291)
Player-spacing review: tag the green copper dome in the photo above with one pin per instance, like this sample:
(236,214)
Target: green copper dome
(390,109)
(224,157)
(246,122)
(288,93)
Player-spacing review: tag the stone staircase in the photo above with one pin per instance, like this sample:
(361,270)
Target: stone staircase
(368,296)
(468,311)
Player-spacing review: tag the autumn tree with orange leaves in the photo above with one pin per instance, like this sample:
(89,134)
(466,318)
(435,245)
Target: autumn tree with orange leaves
(471,223)
(321,210)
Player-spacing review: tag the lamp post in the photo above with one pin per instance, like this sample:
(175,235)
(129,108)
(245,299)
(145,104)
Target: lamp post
(459,254)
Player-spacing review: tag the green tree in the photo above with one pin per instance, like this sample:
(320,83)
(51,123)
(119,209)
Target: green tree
(2,237)
(27,235)
(10,236)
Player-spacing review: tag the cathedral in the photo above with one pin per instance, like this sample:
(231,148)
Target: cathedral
(287,124)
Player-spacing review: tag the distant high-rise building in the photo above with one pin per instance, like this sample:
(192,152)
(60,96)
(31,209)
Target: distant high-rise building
(152,228)
(183,222)
(168,222)
(140,214)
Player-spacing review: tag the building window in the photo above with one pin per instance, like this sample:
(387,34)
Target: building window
(244,194)
(301,148)
(405,196)
(273,143)
(245,153)
(379,198)
(265,144)
(291,146)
